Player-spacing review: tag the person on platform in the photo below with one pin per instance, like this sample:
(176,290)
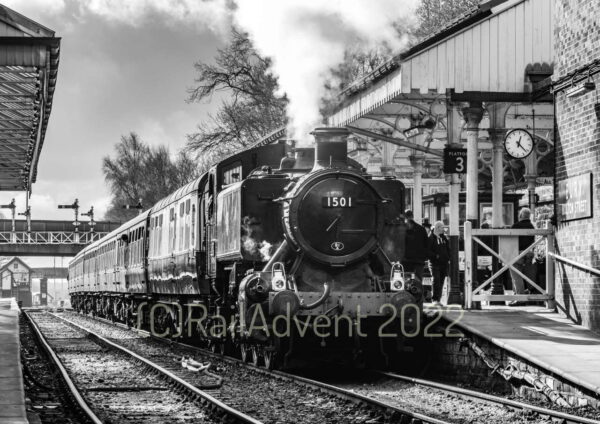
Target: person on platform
(439,255)
(525,264)
(427,226)
(415,247)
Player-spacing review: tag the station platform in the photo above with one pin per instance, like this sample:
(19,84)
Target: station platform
(540,336)
(12,395)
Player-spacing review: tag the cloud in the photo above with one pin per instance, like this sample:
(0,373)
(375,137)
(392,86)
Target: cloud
(36,8)
(213,14)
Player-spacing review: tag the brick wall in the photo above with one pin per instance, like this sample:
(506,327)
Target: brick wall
(577,43)
(453,362)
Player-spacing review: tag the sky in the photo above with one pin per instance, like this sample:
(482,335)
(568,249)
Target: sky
(116,75)
(126,65)
(119,71)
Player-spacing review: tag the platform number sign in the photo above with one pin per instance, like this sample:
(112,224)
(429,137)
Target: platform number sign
(455,161)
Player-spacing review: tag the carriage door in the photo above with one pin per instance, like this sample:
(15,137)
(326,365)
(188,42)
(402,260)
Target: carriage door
(172,240)
(125,240)
(209,210)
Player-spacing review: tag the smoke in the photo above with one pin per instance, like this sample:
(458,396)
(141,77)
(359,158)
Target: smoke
(251,245)
(307,38)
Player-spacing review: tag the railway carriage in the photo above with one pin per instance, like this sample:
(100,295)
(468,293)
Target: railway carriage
(271,232)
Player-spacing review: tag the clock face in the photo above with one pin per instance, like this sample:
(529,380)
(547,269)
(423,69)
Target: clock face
(518,144)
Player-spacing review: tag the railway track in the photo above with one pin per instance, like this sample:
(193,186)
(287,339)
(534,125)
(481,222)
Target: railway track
(115,385)
(386,402)
(456,404)
(269,396)
(521,407)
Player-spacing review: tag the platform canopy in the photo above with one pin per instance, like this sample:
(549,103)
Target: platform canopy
(499,51)
(29,55)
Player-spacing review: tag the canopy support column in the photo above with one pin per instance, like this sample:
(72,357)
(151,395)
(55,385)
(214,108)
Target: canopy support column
(454,129)
(497,131)
(416,162)
(472,116)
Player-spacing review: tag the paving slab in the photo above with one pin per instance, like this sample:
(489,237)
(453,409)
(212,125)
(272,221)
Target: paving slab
(12,395)
(540,336)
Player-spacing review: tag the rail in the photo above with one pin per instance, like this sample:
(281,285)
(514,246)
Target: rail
(575,264)
(49,237)
(229,414)
(72,388)
(510,258)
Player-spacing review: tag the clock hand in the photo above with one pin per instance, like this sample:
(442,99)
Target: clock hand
(519,142)
(333,223)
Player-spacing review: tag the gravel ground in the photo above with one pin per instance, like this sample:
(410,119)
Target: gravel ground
(441,404)
(44,392)
(277,399)
(267,398)
(118,389)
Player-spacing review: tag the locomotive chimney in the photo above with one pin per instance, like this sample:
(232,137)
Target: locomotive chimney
(331,150)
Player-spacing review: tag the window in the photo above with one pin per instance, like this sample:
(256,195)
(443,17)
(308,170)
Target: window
(193,241)
(15,266)
(232,174)
(181,208)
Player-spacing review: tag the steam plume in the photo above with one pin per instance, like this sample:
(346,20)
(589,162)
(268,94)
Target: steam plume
(307,38)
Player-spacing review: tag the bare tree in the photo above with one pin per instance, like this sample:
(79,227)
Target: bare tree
(140,172)
(433,15)
(252,108)
(357,64)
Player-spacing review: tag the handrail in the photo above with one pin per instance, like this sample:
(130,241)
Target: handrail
(575,264)
(49,237)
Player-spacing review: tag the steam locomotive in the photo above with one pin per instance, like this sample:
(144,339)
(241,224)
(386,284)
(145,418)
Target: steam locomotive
(267,244)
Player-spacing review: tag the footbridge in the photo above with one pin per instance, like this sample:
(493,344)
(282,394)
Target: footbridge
(49,238)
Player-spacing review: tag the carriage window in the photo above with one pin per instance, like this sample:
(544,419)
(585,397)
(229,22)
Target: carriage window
(232,174)
(193,239)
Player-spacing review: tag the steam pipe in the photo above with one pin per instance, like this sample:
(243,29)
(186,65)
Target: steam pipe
(321,300)
(279,253)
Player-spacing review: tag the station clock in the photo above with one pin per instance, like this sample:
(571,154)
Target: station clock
(518,143)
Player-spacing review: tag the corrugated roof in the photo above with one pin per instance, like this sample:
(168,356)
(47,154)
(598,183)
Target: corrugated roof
(29,55)
(477,13)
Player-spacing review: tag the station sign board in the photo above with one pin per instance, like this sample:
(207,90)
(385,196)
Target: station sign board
(455,161)
(574,198)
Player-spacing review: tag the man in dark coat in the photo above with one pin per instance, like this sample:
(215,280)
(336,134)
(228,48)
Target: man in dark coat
(439,255)
(525,264)
(415,251)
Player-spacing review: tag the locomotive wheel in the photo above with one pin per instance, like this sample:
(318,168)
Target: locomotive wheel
(269,358)
(255,355)
(244,352)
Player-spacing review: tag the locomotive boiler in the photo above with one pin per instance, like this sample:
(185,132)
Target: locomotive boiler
(287,251)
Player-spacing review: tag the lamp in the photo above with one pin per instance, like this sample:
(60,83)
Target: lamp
(577,90)
(580,89)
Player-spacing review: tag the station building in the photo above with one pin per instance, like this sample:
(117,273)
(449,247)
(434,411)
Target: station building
(505,65)
(577,173)
(16,280)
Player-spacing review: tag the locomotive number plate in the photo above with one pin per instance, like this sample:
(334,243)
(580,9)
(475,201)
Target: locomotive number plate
(337,202)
